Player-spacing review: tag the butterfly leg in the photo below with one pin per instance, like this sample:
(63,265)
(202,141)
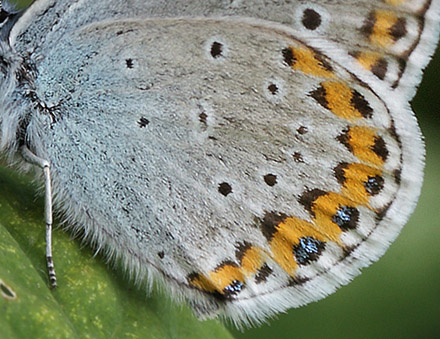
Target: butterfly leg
(45,166)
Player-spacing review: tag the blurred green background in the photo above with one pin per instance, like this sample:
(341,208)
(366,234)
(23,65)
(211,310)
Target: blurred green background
(399,296)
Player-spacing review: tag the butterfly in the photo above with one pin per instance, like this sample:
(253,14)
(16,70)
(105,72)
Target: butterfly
(249,157)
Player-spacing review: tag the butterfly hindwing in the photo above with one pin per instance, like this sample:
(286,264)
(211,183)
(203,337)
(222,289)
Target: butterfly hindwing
(252,156)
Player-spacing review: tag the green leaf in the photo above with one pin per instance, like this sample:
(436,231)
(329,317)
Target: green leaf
(91,301)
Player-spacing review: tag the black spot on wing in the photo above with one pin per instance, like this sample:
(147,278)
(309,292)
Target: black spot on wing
(311,19)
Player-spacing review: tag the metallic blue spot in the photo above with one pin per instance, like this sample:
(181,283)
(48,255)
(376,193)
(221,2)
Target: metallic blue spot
(374,185)
(232,289)
(346,217)
(307,250)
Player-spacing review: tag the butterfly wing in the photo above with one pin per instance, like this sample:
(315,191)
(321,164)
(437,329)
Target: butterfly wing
(234,159)
(391,39)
